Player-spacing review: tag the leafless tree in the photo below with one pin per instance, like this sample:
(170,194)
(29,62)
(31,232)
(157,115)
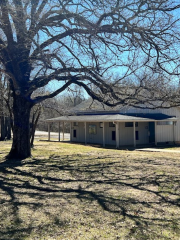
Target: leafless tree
(6,123)
(36,112)
(82,42)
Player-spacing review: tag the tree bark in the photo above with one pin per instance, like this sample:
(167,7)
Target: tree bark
(2,129)
(21,148)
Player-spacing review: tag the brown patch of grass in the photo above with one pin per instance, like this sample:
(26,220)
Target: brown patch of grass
(68,191)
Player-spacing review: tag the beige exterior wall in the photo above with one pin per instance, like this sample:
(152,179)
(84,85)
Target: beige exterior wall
(80,132)
(95,138)
(126,134)
(90,138)
(108,134)
(164,133)
(143,129)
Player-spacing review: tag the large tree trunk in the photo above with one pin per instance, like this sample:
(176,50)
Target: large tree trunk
(21,131)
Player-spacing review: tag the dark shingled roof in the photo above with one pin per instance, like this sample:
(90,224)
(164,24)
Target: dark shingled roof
(156,116)
(93,111)
(113,118)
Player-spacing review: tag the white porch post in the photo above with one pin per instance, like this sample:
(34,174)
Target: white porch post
(85,133)
(174,132)
(49,135)
(63,131)
(134,133)
(59,132)
(104,134)
(155,130)
(117,135)
(70,131)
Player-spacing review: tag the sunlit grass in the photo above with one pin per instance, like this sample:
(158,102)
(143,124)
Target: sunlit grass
(71,191)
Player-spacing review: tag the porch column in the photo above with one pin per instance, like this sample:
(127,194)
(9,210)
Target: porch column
(59,131)
(63,131)
(103,134)
(85,133)
(49,132)
(155,130)
(70,131)
(174,132)
(134,134)
(117,135)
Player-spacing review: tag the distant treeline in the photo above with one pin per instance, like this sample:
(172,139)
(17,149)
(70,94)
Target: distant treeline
(5,128)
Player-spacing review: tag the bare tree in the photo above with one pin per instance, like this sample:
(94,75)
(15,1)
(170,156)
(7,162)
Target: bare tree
(81,42)
(6,123)
(1,97)
(36,112)
(59,106)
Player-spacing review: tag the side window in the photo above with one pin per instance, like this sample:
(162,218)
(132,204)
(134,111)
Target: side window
(130,124)
(74,133)
(111,124)
(92,129)
(114,135)
(165,123)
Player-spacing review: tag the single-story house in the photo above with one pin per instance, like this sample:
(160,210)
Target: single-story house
(128,126)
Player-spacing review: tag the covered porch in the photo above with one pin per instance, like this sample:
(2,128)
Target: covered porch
(117,129)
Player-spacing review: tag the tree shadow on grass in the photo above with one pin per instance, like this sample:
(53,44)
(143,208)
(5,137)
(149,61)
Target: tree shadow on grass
(130,198)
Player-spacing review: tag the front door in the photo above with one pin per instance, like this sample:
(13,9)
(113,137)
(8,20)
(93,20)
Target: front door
(151,132)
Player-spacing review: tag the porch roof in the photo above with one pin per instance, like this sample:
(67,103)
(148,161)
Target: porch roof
(113,118)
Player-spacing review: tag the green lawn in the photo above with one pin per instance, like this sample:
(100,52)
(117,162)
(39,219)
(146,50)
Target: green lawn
(67,191)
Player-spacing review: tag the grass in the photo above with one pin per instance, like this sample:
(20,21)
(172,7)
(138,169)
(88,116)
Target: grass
(67,191)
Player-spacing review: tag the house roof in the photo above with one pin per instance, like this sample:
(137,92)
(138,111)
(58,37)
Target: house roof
(114,118)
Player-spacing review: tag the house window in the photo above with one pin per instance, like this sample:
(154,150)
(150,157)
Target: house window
(111,124)
(130,124)
(74,133)
(75,124)
(114,135)
(137,135)
(92,129)
(165,123)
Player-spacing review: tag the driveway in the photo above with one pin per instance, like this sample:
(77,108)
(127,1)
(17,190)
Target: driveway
(158,150)
(43,134)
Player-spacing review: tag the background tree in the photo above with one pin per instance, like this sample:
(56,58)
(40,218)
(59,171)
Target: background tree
(36,113)
(83,42)
(59,106)
(6,123)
